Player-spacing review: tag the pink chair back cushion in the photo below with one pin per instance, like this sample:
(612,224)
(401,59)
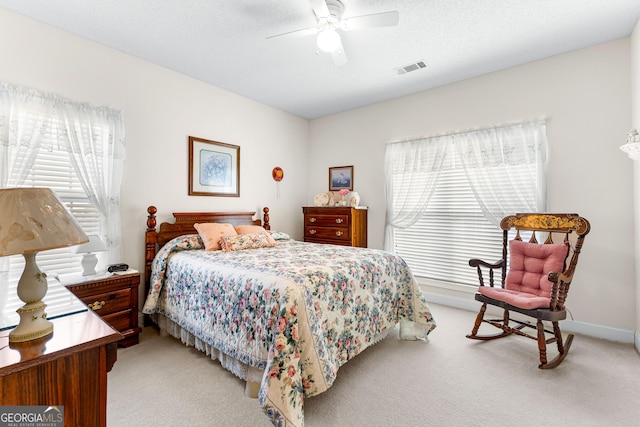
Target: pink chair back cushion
(531,263)
(527,285)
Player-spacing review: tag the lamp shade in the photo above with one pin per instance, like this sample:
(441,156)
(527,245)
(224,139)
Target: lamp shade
(33,220)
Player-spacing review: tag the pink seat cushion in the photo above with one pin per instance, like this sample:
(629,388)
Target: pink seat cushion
(527,285)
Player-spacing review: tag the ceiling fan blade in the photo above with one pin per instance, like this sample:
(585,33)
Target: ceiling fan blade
(383,19)
(320,8)
(338,55)
(296,33)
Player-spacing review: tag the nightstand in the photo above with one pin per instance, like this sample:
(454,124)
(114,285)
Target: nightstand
(115,298)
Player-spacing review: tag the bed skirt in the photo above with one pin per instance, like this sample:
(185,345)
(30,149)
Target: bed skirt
(231,364)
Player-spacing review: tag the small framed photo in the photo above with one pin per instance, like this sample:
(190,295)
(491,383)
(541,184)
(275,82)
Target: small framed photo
(341,177)
(214,168)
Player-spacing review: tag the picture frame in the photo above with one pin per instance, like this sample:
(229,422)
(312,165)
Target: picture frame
(340,178)
(214,168)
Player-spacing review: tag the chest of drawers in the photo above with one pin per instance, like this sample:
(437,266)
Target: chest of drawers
(344,226)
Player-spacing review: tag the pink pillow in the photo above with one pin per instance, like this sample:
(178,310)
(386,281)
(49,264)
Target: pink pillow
(211,232)
(249,229)
(246,241)
(254,229)
(531,263)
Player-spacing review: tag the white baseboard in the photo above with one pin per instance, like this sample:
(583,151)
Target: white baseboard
(573,326)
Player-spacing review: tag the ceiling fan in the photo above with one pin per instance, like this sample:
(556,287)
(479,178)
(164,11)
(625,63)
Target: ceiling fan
(329,16)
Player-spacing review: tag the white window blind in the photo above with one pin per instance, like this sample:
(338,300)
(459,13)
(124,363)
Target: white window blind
(451,231)
(54,170)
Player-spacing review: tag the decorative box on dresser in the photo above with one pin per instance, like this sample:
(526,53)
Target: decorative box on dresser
(115,299)
(346,226)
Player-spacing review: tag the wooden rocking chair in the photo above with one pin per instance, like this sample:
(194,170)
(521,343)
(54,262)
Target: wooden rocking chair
(538,279)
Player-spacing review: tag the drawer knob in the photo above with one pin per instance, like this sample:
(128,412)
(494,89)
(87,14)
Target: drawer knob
(312,231)
(339,221)
(312,219)
(339,233)
(97,305)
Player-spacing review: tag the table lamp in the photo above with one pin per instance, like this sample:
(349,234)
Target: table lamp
(89,259)
(33,220)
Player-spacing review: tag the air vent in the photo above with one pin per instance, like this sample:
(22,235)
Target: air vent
(411,67)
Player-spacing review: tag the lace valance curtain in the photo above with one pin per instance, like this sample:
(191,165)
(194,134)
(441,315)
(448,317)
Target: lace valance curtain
(489,158)
(94,137)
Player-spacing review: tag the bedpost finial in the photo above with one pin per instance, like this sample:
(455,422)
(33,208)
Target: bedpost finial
(151,219)
(265,221)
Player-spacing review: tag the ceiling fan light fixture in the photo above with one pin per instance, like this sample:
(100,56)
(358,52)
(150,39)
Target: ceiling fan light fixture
(328,40)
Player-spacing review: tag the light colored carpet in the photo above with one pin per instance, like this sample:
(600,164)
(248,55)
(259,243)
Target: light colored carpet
(448,381)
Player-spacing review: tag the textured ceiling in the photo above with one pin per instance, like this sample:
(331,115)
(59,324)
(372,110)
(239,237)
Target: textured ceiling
(224,42)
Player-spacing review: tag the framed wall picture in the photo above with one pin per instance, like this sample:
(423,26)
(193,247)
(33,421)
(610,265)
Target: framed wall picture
(214,168)
(341,177)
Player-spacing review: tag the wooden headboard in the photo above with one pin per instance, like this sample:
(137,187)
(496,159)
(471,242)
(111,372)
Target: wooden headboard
(183,224)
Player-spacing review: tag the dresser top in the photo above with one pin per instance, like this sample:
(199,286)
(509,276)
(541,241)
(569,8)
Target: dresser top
(71,333)
(334,208)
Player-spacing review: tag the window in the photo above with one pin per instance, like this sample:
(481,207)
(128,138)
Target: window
(73,148)
(447,194)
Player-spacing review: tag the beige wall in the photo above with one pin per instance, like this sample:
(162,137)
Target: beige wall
(161,109)
(585,97)
(635,124)
(584,94)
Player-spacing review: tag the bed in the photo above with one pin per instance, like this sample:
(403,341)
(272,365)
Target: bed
(283,316)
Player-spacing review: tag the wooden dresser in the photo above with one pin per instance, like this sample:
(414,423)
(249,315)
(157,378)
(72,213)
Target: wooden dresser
(65,369)
(115,299)
(345,226)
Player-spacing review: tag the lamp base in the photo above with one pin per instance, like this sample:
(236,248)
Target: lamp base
(33,323)
(89,262)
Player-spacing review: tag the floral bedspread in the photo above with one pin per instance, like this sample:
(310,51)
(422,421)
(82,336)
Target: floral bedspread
(297,310)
